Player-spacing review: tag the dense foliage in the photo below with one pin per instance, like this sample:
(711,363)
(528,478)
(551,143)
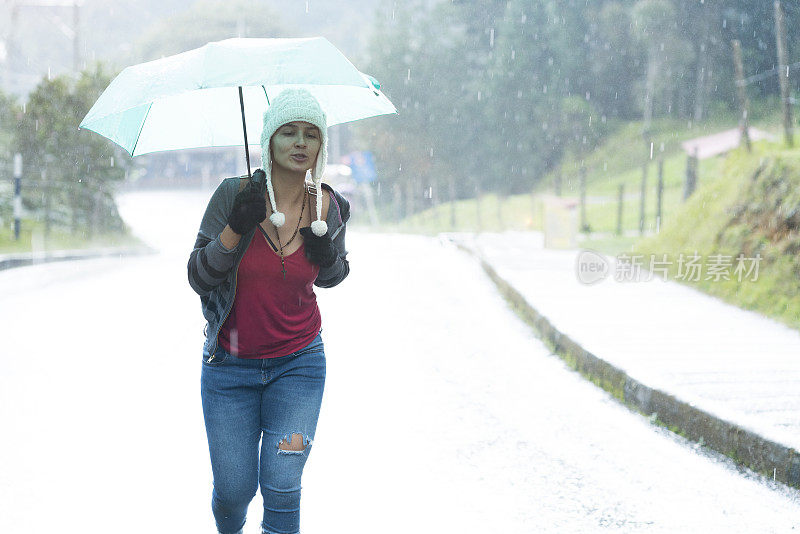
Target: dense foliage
(493,94)
(68,174)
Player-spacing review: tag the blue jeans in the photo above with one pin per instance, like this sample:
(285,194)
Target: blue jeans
(244,399)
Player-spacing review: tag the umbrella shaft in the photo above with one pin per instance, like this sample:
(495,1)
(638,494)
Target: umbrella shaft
(244,128)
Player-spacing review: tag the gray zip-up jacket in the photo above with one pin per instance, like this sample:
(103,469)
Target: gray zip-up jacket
(213,268)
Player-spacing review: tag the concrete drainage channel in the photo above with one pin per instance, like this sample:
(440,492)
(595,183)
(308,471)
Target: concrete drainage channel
(763,456)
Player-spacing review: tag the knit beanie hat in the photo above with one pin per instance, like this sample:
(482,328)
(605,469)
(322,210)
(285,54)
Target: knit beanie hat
(290,105)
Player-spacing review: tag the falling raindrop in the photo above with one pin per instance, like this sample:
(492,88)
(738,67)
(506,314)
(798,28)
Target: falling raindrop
(491,37)
(48,73)
(24,107)
(513,53)
(306,7)
(651,150)
(431,151)
(408,75)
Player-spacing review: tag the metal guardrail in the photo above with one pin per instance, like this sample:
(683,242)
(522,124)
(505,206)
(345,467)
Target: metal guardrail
(10,261)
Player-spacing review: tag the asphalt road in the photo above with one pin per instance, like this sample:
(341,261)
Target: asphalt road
(442,412)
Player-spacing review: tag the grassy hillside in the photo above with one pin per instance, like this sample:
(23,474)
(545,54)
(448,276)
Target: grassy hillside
(751,209)
(742,223)
(618,161)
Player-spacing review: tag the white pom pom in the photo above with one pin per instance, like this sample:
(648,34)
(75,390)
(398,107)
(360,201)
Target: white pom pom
(319,228)
(277,219)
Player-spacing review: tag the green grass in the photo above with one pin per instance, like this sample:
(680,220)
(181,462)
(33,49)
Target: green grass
(615,163)
(518,212)
(748,211)
(32,239)
(730,213)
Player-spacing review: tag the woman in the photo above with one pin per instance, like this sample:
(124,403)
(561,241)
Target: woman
(263,359)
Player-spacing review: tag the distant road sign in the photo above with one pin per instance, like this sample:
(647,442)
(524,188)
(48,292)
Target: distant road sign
(362,166)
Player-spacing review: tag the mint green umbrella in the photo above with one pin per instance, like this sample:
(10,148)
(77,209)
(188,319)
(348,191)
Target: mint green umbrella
(205,97)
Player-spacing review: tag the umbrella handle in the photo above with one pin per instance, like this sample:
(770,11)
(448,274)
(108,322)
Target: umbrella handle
(244,127)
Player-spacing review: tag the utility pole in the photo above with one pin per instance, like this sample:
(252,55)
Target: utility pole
(76,42)
(741,93)
(701,47)
(783,72)
(8,81)
(72,32)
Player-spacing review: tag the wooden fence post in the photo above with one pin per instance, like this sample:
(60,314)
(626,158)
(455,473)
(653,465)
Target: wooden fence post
(659,193)
(642,195)
(690,182)
(584,222)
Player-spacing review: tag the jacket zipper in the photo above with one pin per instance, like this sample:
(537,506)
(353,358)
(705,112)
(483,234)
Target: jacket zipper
(235,283)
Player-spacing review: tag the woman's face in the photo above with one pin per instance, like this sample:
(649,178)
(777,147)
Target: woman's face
(295,146)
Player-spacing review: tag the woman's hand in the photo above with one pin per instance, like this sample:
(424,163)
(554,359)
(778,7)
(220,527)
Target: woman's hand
(249,208)
(319,249)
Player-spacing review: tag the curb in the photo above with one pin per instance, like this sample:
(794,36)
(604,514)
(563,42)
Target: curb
(10,261)
(761,455)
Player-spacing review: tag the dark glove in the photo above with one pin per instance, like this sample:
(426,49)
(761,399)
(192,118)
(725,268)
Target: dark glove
(319,250)
(249,206)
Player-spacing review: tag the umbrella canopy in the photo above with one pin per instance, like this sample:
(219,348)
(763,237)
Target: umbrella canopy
(192,99)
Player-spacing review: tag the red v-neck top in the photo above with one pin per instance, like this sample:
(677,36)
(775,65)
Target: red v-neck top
(271,316)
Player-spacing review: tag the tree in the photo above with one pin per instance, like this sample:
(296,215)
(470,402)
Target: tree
(615,61)
(72,172)
(9,114)
(668,56)
(209,20)
(529,78)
